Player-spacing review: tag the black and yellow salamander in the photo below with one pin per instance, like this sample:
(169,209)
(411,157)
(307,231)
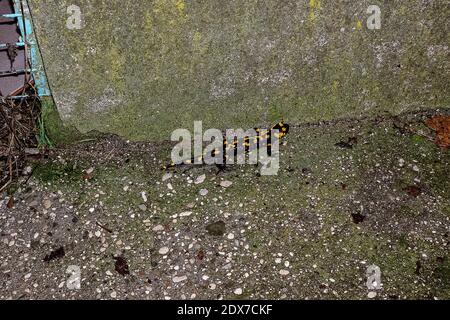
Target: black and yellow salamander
(263,138)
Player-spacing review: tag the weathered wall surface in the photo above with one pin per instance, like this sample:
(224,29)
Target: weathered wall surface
(142,68)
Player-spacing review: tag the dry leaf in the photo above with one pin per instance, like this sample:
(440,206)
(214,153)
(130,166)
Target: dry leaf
(441,124)
(10,203)
(413,191)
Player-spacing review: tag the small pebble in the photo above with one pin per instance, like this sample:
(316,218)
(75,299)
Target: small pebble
(163,250)
(226,184)
(47,204)
(179,279)
(158,228)
(200,179)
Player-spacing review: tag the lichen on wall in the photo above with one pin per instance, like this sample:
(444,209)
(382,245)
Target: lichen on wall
(141,68)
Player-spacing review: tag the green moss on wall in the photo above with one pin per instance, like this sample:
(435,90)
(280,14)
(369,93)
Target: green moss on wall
(143,68)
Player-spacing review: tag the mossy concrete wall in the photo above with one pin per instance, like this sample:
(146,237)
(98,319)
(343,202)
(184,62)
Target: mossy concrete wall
(142,68)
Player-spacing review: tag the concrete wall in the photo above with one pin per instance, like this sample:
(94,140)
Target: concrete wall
(142,68)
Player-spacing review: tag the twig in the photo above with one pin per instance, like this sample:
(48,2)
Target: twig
(103,227)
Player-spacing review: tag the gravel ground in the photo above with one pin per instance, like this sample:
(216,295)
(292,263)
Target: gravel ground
(349,195)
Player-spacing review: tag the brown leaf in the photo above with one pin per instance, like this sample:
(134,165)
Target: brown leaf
(10,203)
(413,191)
(440,124)
(200,255)
(86,176)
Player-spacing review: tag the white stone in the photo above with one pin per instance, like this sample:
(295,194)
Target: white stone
(158,228)
(371,295)
(47,204)
(238,291)
(179,279)
(226,184)
(185,214)
(164,250)
(200,179)
(284,272)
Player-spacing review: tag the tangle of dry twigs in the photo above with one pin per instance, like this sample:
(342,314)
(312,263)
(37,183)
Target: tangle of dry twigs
(18,131)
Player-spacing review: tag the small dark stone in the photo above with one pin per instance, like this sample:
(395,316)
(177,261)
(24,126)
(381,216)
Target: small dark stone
(55,254)
(418,267)
(122,266)
(216,229)
(358,218)
(34,244)
(349,144)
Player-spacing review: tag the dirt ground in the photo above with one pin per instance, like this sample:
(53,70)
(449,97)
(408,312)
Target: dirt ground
(349,195)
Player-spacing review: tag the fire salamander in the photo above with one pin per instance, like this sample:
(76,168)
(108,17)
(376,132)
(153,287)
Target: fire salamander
(263,138)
